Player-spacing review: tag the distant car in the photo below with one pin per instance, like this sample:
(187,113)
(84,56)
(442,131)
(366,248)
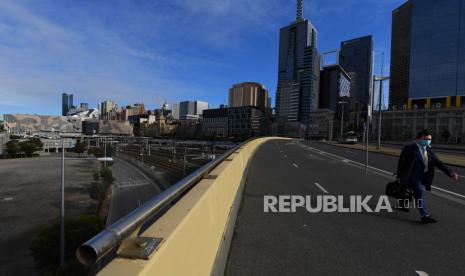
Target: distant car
(351,140)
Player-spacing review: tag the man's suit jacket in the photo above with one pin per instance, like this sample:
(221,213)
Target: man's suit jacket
(411,167)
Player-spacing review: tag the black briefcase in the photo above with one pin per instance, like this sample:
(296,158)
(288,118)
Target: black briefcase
(397,190)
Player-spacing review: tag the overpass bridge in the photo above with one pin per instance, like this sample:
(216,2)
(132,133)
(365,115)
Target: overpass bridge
(216,223)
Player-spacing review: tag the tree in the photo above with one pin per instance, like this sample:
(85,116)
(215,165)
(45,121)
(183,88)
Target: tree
(37,142)
(100,152)
(80,148)
(27,147)
(107,175)
(98,190)
(97,152)
(12,148)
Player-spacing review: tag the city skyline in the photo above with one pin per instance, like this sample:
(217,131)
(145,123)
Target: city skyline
(98,55)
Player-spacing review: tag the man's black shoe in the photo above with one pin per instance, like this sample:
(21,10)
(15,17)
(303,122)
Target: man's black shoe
(428,219)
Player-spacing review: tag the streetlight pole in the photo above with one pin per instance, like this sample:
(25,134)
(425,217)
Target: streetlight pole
(330,131)
(342,121)
(105,163)
(378,146)
(367,133)
(185,160)
(142,155)
(62,211)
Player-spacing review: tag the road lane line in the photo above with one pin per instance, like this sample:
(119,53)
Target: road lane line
(383,171)
(352,161)
(295,165)
(321,188)
(285,155)
(447,191)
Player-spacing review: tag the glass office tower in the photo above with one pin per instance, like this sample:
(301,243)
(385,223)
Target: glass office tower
(334,87)
(437,61)
(66,103)
(356,58)
(400,55)
(298,72)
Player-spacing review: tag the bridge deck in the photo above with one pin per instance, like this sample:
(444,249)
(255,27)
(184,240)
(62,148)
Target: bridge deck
(303,243)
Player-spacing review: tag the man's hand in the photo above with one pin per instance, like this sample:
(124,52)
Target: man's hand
(454,176)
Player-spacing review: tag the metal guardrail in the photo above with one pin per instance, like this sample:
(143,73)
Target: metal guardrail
(114,235)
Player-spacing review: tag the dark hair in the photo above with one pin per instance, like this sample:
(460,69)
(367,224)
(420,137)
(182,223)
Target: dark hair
(422,133)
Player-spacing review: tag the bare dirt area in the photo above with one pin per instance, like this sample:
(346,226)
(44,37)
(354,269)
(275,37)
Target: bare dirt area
(30,201)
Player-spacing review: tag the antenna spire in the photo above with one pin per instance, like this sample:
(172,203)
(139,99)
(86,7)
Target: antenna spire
(299,14)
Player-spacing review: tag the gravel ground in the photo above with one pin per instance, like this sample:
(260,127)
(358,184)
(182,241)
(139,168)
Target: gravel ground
(30,201)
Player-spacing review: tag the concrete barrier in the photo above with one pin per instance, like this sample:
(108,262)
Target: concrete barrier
(197,230)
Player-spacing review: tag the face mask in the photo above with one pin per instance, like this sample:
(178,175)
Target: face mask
(425,143)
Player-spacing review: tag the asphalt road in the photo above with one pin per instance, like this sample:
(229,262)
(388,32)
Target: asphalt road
(131,189)
(389,163)
(304,243)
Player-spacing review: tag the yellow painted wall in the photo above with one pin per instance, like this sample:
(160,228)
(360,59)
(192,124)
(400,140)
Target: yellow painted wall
(192,230)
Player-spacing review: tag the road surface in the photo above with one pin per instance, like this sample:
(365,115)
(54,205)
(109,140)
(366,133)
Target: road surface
(131,189)
(304,243)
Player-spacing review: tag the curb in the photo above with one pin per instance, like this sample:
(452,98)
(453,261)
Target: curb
(393,154)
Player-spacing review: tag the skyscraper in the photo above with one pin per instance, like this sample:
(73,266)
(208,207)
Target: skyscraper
(84,106)
(356,58)
(298,74)
(66,103)
(191,108)
(108,110)
(431,35)
(175,111)
(248,94)
(334,85)
(400,55)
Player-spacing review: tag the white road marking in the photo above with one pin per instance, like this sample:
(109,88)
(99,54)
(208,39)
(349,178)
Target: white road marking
(285,155)
(421,273)
(8,199)
(321,188)
(352,161)
(132,183)
(295,165)
(379,170)
(447,191)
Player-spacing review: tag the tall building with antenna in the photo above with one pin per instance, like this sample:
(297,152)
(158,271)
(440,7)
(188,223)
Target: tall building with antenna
(298,76)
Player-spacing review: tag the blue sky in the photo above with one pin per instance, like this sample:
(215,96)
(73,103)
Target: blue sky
(155,51)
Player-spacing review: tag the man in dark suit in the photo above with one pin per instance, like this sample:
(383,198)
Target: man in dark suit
(416,170)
